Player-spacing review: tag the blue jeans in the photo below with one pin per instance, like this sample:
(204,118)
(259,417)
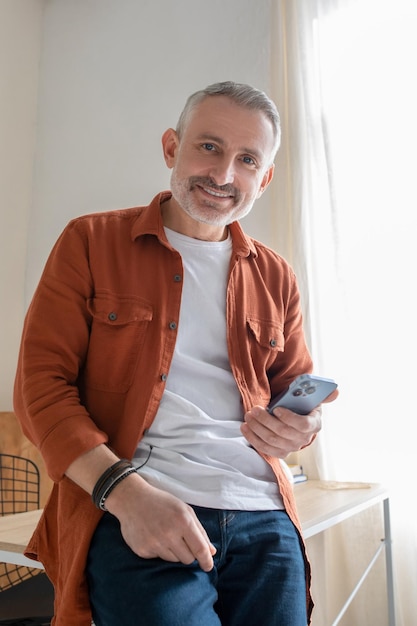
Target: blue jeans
(258,576)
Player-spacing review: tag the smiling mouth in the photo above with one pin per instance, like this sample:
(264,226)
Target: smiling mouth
(215,193)
(208,186)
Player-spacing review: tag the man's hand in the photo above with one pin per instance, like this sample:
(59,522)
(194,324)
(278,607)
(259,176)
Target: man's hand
(283,432)
(153,522)
(156,524)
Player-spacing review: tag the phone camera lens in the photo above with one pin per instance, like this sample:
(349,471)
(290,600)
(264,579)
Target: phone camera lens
(297,392)
(310,390)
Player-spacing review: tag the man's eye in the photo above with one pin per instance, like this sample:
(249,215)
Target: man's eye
(248,160)
(209,146)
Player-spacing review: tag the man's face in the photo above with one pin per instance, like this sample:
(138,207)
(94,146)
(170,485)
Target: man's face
(222,162)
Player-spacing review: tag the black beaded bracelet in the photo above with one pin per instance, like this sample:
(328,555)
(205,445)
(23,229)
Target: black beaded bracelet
(106,481)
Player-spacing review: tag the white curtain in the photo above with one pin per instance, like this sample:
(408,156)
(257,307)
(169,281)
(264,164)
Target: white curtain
(345,81)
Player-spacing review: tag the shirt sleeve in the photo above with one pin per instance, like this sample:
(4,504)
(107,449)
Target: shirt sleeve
(52,352)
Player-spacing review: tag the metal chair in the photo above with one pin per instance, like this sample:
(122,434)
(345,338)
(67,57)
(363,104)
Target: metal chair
(22,589)
(19,492)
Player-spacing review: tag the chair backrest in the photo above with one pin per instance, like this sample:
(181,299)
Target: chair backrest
(19,485)
(13,441)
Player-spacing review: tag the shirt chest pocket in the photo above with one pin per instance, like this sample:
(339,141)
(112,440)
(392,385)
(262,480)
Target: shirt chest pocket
(118,331)
(268,334)
(266,340)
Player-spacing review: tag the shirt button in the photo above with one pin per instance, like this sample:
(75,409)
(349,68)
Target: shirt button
(172,325)
(273,343)
(112,316)
(177,278)
(164,377)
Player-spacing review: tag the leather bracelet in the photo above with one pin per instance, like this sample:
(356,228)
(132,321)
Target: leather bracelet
(106,480)
(107,475)
(110,488)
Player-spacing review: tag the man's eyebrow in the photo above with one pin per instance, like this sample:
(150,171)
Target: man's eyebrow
(221,142)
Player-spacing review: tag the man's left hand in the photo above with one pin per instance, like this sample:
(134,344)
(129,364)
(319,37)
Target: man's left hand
(283,432)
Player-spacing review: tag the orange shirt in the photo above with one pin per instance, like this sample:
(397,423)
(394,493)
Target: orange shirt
(96,348)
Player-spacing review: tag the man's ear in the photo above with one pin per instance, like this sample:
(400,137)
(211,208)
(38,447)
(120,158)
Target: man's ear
(269,174)
(170,143)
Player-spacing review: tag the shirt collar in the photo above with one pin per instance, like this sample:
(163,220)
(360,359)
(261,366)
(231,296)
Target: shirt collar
(149,222)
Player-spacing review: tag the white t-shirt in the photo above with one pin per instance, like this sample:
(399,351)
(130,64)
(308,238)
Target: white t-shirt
(195,448)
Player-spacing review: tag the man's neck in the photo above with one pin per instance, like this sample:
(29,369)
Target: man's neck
(175,218)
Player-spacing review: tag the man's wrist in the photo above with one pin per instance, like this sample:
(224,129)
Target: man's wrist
(128,490)
(109,479)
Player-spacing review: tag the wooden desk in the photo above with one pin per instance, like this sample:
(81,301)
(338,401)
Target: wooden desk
(15,532)
(321,505)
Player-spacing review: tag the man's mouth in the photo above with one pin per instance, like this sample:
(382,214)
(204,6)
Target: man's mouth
(209,187)
(217,194)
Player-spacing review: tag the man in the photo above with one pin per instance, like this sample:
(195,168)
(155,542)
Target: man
(153,344)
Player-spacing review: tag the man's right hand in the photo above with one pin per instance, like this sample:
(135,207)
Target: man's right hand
(155,523)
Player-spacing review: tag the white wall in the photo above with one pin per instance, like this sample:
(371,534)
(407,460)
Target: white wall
(20,41)
(113,77)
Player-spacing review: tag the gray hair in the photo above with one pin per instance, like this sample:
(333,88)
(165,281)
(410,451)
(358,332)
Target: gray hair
(241,94)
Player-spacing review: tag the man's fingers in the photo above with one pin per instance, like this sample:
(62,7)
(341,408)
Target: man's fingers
(201,546)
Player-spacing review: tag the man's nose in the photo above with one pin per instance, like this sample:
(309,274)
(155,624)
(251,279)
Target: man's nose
(223,172)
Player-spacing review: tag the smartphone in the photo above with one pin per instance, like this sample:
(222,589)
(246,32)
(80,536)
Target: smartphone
(304,394)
